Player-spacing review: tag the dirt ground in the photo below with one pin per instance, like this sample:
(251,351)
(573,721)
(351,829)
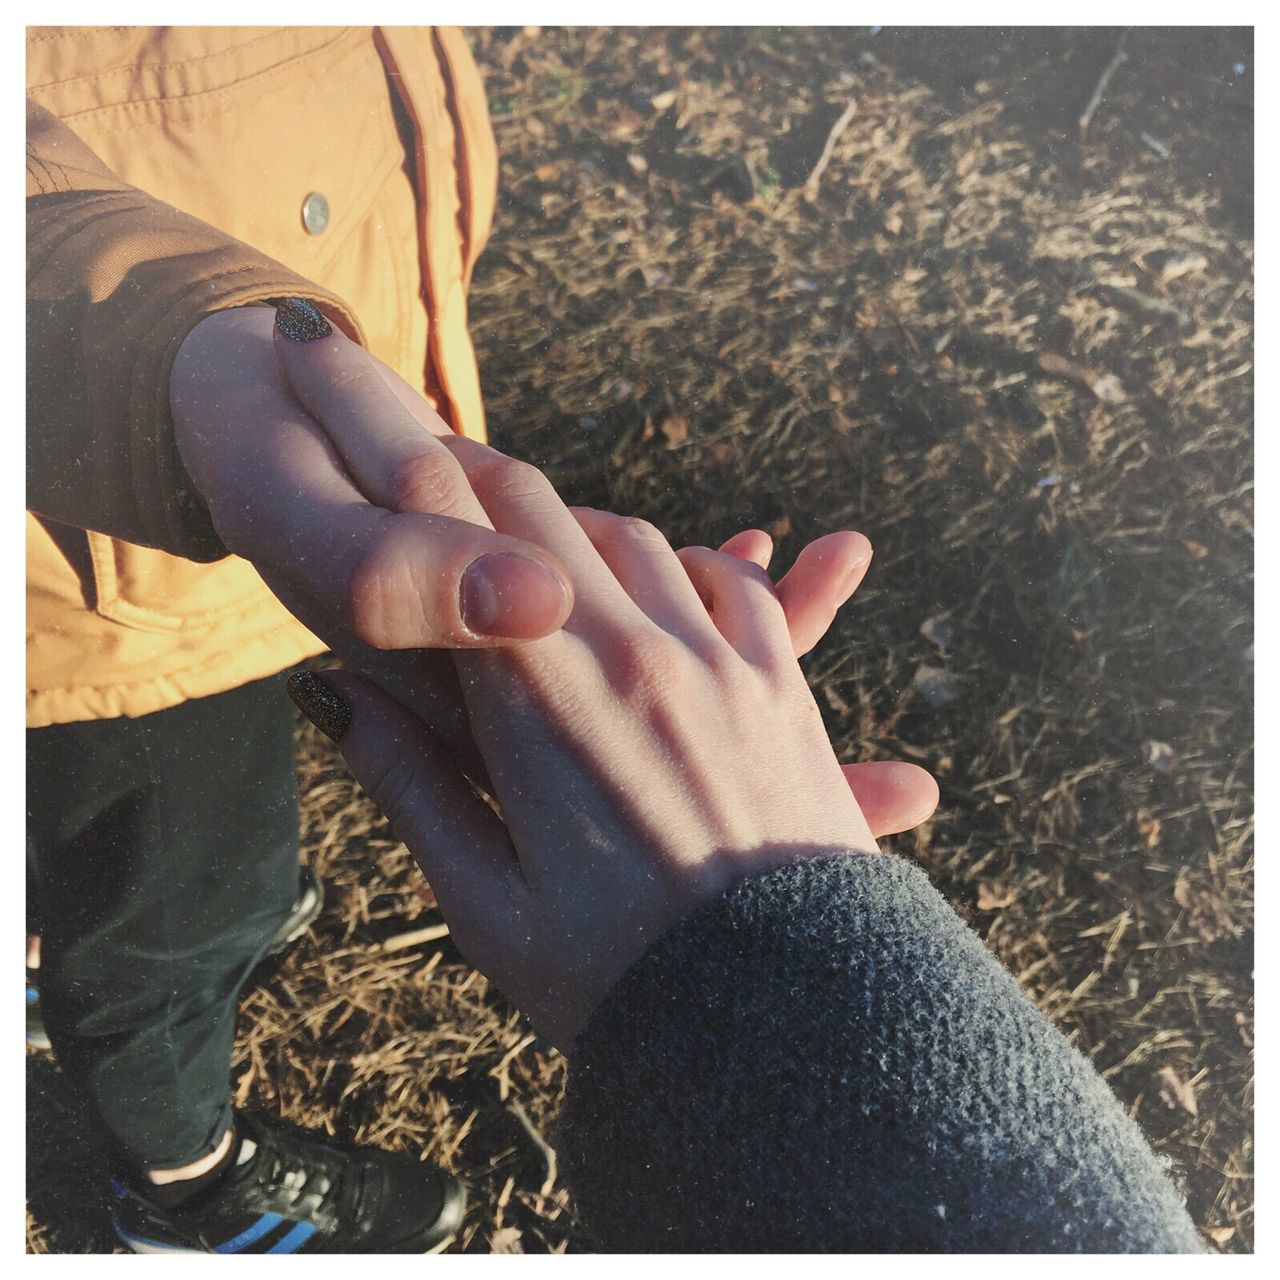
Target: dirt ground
(1017,355)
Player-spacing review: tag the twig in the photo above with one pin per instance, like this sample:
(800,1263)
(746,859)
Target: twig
(1103,80)
(548,1151)
(401,940)
(1143,302)
(811,184)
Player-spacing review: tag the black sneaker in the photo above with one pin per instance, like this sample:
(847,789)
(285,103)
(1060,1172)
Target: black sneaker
(306,908)
(291,1191)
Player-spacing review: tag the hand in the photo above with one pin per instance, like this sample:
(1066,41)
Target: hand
(893,795)
(381,439)
(645,758)
(363,525)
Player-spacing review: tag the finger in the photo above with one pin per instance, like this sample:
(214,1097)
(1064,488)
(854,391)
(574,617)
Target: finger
(647,569)
(521,502)
(826,573)
(425,683)
(742,602)
(414,402)
(394,458)
(892,794)
(751,544)
(405,581)
(456,838)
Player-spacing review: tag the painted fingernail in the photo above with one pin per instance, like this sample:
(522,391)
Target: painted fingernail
(511,595)
(320,704)
(300,320)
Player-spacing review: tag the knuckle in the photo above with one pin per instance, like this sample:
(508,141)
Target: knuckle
(636,529)
(512,480)
(649,667)
(430,482)
(391,786)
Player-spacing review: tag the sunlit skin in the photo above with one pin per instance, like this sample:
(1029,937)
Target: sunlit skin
(363,523)
(658,747)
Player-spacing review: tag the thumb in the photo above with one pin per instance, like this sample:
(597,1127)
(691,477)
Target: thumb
(893,795)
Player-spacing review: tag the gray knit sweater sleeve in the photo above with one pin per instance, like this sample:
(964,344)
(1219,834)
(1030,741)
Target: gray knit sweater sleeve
(827,1059)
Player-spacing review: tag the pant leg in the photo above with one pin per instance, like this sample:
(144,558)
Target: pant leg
(164,853)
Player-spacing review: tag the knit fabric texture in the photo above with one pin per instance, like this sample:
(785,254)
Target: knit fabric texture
(827,1059)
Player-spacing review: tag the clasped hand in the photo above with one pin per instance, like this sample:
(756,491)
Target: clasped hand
(638,715)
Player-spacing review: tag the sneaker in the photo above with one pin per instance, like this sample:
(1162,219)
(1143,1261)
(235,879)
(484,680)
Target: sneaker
(291,1191)
(306,908)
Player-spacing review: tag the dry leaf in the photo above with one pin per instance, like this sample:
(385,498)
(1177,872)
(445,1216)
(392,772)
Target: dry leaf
(676,429)
(1204,914)
(637,162)
(994,896)
(661,101)
(835,701)
(1185,265)
(1197,549)
(1148,826)
(781,527)
(1108,388)
(1244,1028)
(1175,1092)
(545,173)
(506,1240)
(1220,1235)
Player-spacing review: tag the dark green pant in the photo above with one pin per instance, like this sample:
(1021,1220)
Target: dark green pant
(162,855)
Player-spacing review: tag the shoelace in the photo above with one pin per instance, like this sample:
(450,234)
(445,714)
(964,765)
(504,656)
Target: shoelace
(305,1167)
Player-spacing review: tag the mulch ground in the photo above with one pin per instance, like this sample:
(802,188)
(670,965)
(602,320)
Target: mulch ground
(1018,356)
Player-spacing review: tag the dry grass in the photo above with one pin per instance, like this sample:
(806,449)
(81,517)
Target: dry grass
(672,329)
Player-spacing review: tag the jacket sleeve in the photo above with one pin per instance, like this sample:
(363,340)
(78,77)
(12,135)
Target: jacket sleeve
(827,1059)
(115,281)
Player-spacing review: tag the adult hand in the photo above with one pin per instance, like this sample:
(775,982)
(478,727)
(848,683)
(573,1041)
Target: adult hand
(645,757)
(370,432)
(893,795)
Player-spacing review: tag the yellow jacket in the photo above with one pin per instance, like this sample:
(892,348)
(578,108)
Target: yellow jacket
(169,172)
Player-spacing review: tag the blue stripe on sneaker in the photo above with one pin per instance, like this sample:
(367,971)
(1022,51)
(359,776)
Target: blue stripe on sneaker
(33,995)
(266,1223)
(295,1239)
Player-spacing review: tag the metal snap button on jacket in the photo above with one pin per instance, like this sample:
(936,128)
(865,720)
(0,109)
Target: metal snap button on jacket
(315,213)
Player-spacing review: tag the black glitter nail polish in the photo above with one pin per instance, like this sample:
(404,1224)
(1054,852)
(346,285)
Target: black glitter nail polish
(320,704)
(300,320)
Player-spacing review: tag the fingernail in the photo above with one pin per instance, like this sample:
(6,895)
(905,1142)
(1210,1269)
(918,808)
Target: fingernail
(511,595)
(320,704)
(300,320)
